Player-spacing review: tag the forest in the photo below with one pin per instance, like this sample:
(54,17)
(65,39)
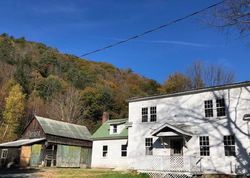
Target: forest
(39,80)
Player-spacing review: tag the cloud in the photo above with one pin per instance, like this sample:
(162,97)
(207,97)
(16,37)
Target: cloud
(183,43)
(172,42)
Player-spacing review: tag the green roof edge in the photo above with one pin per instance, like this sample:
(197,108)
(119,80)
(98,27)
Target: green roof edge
(102,132)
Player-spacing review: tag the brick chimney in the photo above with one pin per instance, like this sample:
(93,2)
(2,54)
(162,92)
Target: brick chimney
(105,117)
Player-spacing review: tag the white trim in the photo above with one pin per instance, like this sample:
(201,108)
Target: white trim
(166,134)
(4,153)
(171,127)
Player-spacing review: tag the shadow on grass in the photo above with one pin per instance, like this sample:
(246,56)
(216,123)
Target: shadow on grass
(10,171)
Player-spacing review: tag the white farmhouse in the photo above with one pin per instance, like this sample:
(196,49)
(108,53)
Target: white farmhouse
(199,131)
(110,144)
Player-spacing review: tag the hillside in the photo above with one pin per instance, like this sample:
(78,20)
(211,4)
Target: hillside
(65,87)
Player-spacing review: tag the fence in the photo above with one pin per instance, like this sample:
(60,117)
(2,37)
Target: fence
(169,163)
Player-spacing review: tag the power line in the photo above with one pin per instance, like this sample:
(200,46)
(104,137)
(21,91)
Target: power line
(153,29)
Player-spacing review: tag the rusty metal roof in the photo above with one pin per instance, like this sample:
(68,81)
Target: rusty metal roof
(63,129)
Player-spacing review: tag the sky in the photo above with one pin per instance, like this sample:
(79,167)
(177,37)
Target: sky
(79,26)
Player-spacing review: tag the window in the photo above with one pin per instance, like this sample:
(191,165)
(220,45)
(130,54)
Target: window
(144,114)
(208,108)
(221,107)
(124,150)
(4,153)
(153,114)
(204,146)
(104,151)
(114,128)
(149,146)
(229,145)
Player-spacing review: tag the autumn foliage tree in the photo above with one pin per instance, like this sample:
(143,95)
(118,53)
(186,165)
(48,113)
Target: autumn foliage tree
(65,87)
(176,82)
(13,112)
(199,75)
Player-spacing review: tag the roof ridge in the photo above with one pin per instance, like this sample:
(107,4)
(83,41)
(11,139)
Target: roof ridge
(53,120)
(191,91)
(63,129)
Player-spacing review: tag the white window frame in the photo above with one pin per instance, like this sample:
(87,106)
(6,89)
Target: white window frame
(124,150)
(144,114)
(153,114)
(4,153)
(208,107)
(104,151)
(219,107)
(115,129)
(229,145)
(204,146)
(148,146)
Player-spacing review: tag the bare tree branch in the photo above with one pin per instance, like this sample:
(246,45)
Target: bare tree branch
(233,14)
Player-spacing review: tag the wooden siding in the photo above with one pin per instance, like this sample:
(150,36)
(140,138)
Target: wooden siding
(25,156)
(33,130)
(71,152)
(68,141)
(12,156)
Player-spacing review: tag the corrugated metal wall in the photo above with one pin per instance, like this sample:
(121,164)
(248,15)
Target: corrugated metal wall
(68,156)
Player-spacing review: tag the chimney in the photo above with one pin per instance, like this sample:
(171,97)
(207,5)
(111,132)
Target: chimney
(105,117)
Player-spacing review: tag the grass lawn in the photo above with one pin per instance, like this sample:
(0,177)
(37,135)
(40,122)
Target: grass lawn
(92,173)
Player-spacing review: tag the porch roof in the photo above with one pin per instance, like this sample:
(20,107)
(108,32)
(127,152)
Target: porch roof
(21,142)
(182,129)
(166,134)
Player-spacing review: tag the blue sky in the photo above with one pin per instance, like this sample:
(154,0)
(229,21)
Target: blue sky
(80,26)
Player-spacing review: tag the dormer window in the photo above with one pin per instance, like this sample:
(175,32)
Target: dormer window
(114,128)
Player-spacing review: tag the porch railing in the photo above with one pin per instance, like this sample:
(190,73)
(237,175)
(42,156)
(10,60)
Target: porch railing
(169,163)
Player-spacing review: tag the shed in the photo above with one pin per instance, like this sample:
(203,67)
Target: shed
(47,142)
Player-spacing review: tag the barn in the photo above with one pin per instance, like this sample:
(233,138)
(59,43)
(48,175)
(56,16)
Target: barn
(49,143)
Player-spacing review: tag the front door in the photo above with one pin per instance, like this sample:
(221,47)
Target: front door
(176,145)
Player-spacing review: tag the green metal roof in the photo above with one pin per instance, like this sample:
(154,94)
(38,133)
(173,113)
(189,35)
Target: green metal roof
(103,132)
(63,129)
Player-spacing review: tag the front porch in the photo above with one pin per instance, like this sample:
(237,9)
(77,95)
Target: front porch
(170,151)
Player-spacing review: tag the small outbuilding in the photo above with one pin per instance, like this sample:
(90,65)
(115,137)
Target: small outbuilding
(47,142)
